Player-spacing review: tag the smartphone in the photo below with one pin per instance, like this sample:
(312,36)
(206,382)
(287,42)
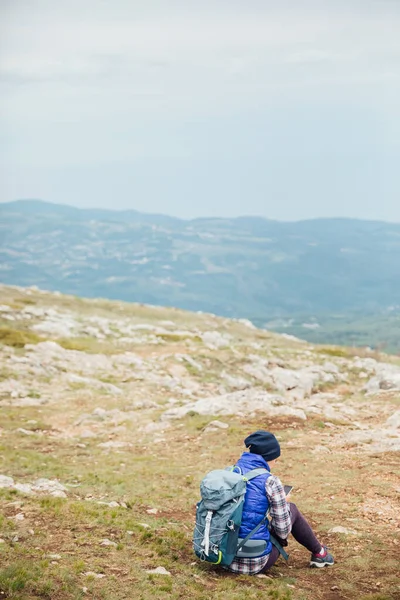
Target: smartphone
(288,489)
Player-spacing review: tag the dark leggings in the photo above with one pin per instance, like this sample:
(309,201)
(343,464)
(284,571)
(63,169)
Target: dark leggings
(302,533)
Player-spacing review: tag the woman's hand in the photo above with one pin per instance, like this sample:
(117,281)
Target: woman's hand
(288,497)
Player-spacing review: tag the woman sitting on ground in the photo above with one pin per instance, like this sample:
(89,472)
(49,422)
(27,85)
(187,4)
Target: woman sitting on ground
(266,493)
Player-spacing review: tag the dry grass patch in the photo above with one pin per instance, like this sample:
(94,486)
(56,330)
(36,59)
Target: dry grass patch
(166,477)
(17,338)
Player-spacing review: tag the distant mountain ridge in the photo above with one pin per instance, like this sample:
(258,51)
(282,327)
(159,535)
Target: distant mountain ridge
(36,206)
(306,271)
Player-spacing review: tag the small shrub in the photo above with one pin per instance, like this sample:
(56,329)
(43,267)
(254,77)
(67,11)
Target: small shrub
(172,337)
(339,352)
(80,344)
(192,413)
(26,301)
(18,338)
(88,344)
(5,374)
(16,578)
(52,504)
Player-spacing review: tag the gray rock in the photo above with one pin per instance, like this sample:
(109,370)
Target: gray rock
(292,338)
(393,422)
(139,404)
(25,431)
(297,384)
(159,571)
(287,411)
(330,367)
(57,329)
(152,427)
(129,359)
(90,382)
(371,441)
(241,402)
(100,412)
(246,323)
(215,340)
(23,402)
(49,486)
(236,383)
(34,311)
(320,450)
(386,376)
(216,425)
(107,542)
(6,482)
(87,433)
(340,529)
(367,364)
(300,383)
(259,372)
(42,485)
(114,445)
(12,388)
(24,488)
(112,504)
(378,384)
(193,363)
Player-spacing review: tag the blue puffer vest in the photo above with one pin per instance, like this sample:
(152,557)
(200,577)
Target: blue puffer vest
(256,502)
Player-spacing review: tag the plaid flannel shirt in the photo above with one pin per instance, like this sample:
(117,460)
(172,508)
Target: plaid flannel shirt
(279,511)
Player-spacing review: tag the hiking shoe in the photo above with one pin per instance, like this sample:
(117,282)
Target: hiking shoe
(324,559)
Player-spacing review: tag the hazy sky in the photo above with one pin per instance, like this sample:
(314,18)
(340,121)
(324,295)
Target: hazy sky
(284,108)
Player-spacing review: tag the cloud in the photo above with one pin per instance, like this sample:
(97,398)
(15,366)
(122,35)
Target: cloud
(102,82)
(40,43)
(199,58)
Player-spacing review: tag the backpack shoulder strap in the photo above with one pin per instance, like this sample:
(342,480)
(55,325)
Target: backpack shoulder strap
(278,546)
(252,532)
(254,473)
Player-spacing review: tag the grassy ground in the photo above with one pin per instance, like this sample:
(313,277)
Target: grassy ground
(48,552)
(331,491)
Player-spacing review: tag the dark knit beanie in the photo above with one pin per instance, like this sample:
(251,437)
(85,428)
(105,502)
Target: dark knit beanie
(263,443)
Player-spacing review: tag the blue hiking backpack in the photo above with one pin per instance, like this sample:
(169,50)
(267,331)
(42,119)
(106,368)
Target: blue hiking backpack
(219,516)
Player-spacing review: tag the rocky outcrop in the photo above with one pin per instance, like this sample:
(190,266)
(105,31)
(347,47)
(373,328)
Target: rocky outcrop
(40,486)
(145,369)
(386,376)
(244,403)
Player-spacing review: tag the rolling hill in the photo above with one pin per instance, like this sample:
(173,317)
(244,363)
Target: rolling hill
(326,280)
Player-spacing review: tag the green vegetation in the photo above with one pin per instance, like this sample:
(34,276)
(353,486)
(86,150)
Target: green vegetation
(17,338)
(173,337)
(88,344)
(140,495)
(167,478)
